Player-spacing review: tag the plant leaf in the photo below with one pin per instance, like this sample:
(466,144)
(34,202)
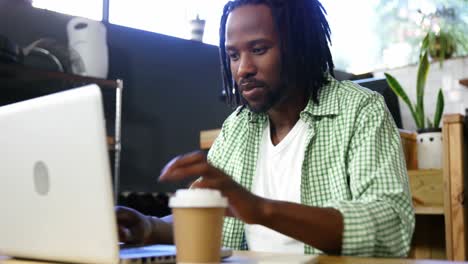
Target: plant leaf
(439,108)
(424,45)
(429,123)
(398,90)
(423,70)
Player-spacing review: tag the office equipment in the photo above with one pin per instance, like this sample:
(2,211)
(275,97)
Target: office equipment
(56,183)
(19,83)
(88,38)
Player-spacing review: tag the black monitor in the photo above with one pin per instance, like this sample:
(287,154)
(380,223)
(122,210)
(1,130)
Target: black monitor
(380,85)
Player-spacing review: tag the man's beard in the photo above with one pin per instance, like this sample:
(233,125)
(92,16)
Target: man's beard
(273,97)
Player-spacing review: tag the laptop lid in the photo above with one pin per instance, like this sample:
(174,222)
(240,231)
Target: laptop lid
(55,180)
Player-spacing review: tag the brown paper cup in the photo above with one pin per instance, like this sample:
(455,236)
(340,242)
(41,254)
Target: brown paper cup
(197,233)
(198,220)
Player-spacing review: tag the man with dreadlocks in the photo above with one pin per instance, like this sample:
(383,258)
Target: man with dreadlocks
(308,164)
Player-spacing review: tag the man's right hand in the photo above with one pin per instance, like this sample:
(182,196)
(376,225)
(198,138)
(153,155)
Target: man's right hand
(133,226)
(137,228)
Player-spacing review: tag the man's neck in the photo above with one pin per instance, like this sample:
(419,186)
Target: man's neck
(284,116)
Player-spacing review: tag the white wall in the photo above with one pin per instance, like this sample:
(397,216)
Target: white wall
(456,95)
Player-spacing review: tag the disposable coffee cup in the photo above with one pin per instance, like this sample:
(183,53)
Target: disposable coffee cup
(198,220)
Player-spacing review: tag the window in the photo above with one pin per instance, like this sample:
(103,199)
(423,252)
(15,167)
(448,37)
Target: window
(366,35)
(354,46)
(168,17)
(379,34)
(85,8)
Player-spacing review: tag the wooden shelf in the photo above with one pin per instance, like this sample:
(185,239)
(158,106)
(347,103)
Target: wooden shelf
(427,190)
(428,210)
(408,142)
(19,72)
(207,138)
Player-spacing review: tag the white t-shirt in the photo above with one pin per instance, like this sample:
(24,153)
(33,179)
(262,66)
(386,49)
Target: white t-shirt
(278,177)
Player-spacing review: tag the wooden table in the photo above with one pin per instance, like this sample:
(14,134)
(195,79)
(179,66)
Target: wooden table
(249,257)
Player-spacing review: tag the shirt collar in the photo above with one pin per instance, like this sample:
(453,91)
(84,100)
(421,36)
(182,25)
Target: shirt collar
(329,104)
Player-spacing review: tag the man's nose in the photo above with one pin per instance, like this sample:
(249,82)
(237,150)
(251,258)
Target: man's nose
(247,67)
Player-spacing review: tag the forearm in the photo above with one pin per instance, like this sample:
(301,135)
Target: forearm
(161,230)
(380,228)
(321,228)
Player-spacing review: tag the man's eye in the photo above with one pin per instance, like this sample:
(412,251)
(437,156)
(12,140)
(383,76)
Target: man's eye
(259,51)
(233,56)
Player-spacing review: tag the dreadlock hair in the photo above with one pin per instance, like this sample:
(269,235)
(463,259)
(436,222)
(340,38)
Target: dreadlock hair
(304,36)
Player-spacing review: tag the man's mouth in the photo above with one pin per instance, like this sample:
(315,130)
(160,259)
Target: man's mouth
(248,86)
(252,91)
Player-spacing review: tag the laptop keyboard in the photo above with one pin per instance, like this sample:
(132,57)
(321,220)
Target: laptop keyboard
(134,254)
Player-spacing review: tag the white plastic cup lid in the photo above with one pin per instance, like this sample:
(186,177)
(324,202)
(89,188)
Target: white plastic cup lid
(199,198)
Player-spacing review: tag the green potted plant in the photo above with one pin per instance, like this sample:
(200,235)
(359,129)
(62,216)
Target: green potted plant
(429,136)
(446,34)
(440,46)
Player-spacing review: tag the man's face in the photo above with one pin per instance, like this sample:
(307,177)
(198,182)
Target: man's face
(253,48)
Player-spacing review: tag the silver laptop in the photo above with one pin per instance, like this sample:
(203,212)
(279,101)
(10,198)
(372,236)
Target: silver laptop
(56,198)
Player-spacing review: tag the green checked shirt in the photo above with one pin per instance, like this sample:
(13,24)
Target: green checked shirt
(353,162)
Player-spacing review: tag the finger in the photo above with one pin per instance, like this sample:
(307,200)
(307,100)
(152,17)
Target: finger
(186,172)
(125,216)
(196,183)
(229,213)
(124,234)
(204,183)
(207,183)
(185,160)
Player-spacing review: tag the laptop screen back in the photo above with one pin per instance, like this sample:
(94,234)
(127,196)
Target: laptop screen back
(55,183)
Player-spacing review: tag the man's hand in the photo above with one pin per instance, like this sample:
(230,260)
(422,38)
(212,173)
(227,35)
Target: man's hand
(137,228)
(242,203)
(321,228)
(134,227)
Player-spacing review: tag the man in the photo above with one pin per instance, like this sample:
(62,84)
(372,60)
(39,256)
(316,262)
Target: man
(308,164)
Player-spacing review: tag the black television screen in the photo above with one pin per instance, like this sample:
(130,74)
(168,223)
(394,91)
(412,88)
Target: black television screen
(380,85)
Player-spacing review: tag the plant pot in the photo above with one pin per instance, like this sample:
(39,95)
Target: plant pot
(430,148)
(436,48)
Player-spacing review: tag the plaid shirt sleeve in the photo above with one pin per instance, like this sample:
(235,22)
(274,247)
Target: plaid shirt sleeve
(379,219)
(215,153)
